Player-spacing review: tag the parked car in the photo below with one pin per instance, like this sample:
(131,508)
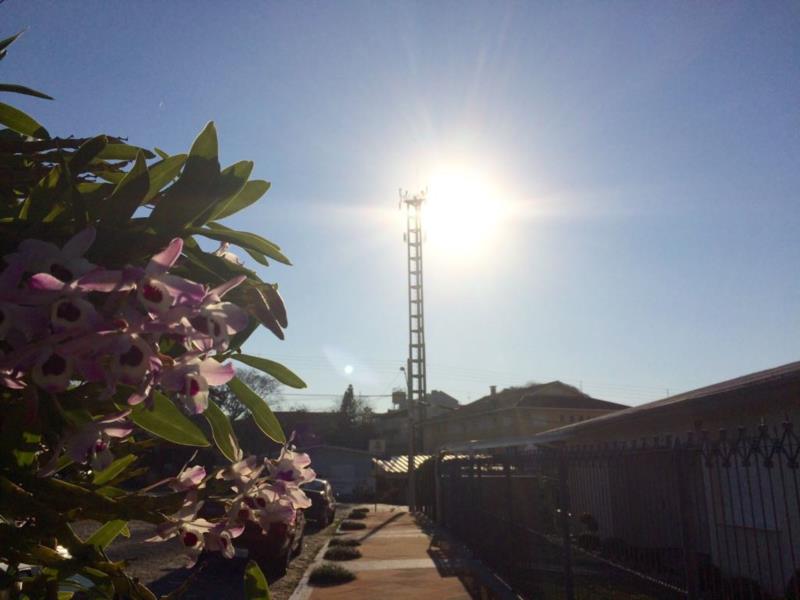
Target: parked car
(323,501)
(274,550)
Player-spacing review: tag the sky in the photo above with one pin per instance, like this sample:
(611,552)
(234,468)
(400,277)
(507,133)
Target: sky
(633,167)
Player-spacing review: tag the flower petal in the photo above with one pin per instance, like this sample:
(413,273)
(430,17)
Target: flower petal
(216,373)
(46,283)
(162,261)
(226,287)
(79,243)
(101,280)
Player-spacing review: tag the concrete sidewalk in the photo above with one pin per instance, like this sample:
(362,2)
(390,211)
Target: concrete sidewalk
(399,561)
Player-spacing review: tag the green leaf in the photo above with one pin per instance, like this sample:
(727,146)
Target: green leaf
(258,257)
(44,196)
(103,537)
(27,447)
(4,44)
(111,471)
(128,195)
(222,432)
(21,89)
(164,420)
(250,297)
(255,584)
(111,176)
(87,153)
(119,151)
(231,181)
(276,370)
(249,241)
(111,492)
(262,415)
(205,266)
(252,191)
(161,153)
(275,302)
(18,121)
(163,172)
(195,191)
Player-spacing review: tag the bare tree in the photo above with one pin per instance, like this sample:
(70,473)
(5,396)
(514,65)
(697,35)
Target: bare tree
(263,385)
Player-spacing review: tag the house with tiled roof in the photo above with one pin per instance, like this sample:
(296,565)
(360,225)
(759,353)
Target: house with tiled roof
(514,411)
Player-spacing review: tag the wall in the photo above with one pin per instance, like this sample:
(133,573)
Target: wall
(349,472)
(503,423)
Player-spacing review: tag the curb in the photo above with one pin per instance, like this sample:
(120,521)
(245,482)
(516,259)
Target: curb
(303,590)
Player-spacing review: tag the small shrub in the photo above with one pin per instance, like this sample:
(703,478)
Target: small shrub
(342,553)
(344,542)
(330,574)
(352,525)
(356,515)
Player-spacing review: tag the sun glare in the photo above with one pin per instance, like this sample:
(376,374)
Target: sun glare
(463,212)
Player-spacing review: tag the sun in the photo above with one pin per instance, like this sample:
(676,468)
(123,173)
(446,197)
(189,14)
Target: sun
(463,212)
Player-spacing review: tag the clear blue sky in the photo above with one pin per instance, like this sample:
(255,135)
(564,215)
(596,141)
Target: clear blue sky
(652,149)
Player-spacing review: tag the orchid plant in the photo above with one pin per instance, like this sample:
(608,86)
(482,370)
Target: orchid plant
(115,322)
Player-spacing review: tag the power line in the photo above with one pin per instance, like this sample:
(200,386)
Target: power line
(336,395)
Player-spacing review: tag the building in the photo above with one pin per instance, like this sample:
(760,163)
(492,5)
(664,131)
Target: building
(309,428)
(392,426)
(769,396)
(350,472)
(391,477)
(514,411)
(707,478)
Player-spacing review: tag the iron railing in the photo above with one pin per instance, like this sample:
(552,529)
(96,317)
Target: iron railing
(699,516)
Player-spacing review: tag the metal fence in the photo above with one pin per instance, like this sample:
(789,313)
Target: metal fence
(698,516)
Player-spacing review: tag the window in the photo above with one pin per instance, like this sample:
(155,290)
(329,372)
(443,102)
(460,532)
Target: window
(572,418)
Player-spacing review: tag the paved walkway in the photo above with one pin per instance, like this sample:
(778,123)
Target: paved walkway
(399,562)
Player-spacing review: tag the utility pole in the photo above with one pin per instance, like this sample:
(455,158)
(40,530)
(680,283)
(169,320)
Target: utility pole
(415,366)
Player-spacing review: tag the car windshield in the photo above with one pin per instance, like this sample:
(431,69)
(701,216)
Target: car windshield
(316,485)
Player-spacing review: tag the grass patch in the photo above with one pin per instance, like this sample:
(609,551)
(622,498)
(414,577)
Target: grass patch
(342,553)
(352,525)
(329,574)
(344,542)
(354,514)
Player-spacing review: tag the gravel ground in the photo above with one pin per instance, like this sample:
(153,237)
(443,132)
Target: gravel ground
(161,566)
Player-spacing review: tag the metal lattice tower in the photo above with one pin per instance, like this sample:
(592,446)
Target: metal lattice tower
(416,377)
(416,310)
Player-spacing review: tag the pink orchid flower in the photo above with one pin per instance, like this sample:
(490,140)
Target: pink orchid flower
(188,479)
(91,443)
(66,264)
(291,467)
(191,377)
(158,291)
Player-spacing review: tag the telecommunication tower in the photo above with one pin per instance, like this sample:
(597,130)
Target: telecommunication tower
(416,376)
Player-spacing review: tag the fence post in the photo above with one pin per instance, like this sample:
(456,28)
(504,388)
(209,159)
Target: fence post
(437,490)
(512,527)
(563,495)
(683,473)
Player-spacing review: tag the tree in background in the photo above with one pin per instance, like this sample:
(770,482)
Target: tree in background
(267,388)
(353,426)
(348,410)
